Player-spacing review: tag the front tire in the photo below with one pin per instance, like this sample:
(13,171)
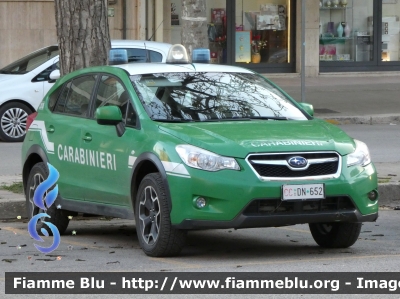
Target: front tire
(13,118)
(59,218)
(335,235)
(156,235)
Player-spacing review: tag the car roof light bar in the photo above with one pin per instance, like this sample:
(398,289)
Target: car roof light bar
(177,55)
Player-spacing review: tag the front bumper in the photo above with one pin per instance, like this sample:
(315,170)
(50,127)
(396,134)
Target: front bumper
(230,196)
(245,221)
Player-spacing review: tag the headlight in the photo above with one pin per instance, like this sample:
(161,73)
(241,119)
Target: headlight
(198,158)
(360,156)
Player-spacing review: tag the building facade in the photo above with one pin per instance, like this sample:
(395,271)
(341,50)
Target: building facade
(264,35)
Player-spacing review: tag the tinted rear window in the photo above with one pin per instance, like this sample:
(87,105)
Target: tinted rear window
(30,62)
(140,55)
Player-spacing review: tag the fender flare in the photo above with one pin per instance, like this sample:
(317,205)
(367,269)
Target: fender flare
(151,157)
(34,149)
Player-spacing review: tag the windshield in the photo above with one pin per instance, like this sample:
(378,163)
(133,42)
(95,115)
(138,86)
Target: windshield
(30,62)
(212,97)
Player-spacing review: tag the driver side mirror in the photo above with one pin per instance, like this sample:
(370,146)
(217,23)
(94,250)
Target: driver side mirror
(108,115)
(111,115)
(307,108)
(54,76)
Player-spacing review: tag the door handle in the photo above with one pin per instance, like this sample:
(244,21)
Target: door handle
(87,137)
(50,129)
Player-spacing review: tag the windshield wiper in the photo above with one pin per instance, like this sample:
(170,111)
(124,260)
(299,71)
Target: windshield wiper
(181,120)
(269,117)
(175,120)
(226,119)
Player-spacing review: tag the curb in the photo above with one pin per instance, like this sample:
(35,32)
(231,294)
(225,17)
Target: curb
(13,209)
(389,196)
(364,120)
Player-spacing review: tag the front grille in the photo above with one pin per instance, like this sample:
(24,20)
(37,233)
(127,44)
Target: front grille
(276,165)
(284,171)
(262,207)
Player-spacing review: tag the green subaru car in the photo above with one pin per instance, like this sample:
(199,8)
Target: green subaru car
(182,146)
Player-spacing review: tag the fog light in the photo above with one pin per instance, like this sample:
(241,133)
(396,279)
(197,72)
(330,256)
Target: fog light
(373,195)
(201,202)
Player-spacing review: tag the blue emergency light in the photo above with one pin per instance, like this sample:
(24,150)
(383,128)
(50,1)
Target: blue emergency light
(118,56)
(201,55)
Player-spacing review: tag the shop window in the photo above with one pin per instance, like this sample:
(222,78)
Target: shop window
(262,31)
(216,27)
(346,31)
(390,31)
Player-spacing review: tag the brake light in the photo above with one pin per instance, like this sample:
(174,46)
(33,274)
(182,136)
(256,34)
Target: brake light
(30,119)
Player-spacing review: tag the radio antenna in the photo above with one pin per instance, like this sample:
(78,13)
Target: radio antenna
(147,53)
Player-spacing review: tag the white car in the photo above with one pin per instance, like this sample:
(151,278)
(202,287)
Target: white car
(24,82)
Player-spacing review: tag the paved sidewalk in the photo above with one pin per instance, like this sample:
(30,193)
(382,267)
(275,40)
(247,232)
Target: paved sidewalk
(338,98)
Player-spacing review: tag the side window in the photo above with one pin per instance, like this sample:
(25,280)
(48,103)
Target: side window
(44,75)
(111,92)
(75,97)
(155,56)
(53,98)
(63,97)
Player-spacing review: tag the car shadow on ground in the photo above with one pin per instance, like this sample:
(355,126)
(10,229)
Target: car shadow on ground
(223,244)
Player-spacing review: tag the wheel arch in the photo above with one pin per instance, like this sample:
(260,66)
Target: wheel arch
(20,102)
(148,163)
(34,155)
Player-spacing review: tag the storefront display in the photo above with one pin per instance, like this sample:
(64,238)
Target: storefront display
(344,32)
(255,32)
(390,33)
(268,26)
(353,35)
(336,41)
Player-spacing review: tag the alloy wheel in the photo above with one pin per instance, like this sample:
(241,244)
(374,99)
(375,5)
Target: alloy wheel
(36,181)
(13,122)
(149,215)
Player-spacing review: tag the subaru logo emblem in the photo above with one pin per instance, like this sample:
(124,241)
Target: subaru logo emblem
(297,162)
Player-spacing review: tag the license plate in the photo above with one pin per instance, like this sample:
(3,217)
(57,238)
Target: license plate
(303,192)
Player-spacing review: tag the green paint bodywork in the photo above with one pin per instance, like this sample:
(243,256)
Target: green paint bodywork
(107,178)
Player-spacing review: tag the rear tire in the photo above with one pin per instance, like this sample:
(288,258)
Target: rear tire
(156,235)
(13,118)
(59,218)
(335,235)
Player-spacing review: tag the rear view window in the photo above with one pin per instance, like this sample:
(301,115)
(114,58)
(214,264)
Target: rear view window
(30,62)
(155,56)
(142,55)
(136,55)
